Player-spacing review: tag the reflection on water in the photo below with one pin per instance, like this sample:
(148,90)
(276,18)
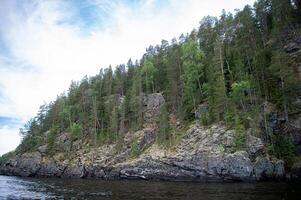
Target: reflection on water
(32,188)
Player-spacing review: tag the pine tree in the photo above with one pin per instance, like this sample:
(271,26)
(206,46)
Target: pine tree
(148,71)
(135,103)
(192,77)
(217,90)
(173,86)
(114,123)
(164,130)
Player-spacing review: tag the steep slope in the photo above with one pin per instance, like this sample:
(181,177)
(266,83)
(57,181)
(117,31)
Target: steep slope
(201,154)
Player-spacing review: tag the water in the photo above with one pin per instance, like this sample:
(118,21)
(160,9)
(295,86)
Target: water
(33,188)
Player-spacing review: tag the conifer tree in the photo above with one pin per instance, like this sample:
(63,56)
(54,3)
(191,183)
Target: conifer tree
(148,71)
(192,77)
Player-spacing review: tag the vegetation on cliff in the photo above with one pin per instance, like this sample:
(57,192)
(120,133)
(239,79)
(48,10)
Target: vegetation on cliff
(231,66)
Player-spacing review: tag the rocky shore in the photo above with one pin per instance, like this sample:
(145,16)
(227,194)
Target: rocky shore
(203,154)
(200,153)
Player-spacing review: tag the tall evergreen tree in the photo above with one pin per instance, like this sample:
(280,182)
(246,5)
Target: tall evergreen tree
(192,77)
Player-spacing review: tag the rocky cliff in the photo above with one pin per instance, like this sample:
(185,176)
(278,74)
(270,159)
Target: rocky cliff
(203,154)
(200,154)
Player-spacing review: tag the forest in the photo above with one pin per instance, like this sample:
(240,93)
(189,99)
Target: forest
(232,67)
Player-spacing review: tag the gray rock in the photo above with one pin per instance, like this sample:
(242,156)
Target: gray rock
(95,171)
(228,139)
(74,171)
(133,172)
(215,165)
(50,168)
(145,138)
(254,146)
(27,164)
(292,47)
(296,133)
(203,154)
(148,168)
(263,168)
(63,142)
(9,167)
(99,173)
(239,166)
(76,145)
(201,110)
(279,171)
(152,106)
(42,149)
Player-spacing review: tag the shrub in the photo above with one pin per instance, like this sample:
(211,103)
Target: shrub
(229,117)
(5,157)
(205,119)
(239,138)
(103,137)
(164,130)
(29,143)
(51,139)
(135,151)
(76,131)
(284,149)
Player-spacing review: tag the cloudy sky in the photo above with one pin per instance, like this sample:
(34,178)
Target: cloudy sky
(45,44)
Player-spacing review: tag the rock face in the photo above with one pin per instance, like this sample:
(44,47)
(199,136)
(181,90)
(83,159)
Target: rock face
(152,106)
(203,154)
(26,165)
(293,48)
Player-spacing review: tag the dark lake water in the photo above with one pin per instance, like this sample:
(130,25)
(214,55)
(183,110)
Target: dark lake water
(33,188)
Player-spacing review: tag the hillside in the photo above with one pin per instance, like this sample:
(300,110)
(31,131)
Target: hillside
(221,103)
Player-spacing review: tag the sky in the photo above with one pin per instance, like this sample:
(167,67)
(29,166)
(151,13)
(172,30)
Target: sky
(46,44)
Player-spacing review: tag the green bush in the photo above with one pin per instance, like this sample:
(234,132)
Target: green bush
(51,139)
(76,131)
(239,138)
(164,130)
(205,119)
(238,89)
(229,118)
(29,143)
(5,157)
(103,137)
(135,151)
(284,149)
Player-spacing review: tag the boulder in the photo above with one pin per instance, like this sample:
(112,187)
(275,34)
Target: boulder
(239,166)
(26,165)
(254,146)
(95,171)
(152,106)
(42,149)
(50,168)
(263,168)
(145,138)
(279,171)
(63,142)
(201,110)
(74,171)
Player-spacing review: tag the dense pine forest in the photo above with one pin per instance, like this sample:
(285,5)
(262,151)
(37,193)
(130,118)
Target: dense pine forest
(231,69)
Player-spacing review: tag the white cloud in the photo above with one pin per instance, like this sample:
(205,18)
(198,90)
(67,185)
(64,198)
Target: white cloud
(9,139)
(46,55)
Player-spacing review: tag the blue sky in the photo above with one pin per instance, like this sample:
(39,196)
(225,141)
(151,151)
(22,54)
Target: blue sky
(46,44)
(9,121)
